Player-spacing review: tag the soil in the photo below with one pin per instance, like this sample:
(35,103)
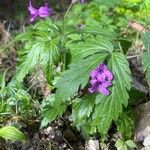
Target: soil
(57,136)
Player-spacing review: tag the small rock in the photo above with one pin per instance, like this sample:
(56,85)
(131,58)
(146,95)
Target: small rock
(142,126)
(146,143)
(31,148)
(92,145)
(36,137)
(48,130)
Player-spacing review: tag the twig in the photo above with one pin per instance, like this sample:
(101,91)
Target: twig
(133,56)
(136,26)
(68,144)
(68,10)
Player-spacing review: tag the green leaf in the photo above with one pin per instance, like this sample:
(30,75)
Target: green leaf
(41,48)
(146,55)
(146,40)
(109,3)
(77,75)
(109,107)
(12,133)
(82,109)
(82,114)
(146,65)
(125,145)
(51,109)
(42,53)
(121,145)
(90,46)
(45,25)
(96,29)
(125,125)
(130,144)
(30,62)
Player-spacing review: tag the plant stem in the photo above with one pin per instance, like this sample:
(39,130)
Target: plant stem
(68,10)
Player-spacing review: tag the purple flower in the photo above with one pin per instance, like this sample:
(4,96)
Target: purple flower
(33,12)
(100,80)
(101,73)
(82,1)
(42,12)
(99,86)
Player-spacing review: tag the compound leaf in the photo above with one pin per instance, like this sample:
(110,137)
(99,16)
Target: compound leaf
(109,107)
(51,109)
(90,46)
(82,109)
(125,125)
(77,75)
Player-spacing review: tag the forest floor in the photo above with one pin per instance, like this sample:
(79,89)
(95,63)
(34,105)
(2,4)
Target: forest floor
(60,135)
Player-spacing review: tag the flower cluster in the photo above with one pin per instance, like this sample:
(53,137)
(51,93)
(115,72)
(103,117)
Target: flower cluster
(42,12)
(101,79)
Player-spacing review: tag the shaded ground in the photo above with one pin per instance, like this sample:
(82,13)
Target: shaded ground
(55,137)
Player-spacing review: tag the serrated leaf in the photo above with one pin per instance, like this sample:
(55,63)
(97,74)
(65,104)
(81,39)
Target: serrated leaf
(41,53)
(109,107)
(120,145)
(31,60)
(90,46)
(125,125)
(82,109)
(146,40)
(130,144)
(45,25)
(146,55)
(12,133)
(51,109)
(146,65)
(77,75)
(41,47)
(95,29)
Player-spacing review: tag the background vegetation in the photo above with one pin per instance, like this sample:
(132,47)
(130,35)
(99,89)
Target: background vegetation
(45,67)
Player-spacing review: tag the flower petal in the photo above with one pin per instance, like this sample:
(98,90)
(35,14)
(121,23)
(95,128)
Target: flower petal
(103,90)
(33,17)
(94,86)
(101,77)
(44,11)
(33,12)
(31,9)
(93,82)
(102,67)
(94,73)
(92,90)
(106,84)
(109,75)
